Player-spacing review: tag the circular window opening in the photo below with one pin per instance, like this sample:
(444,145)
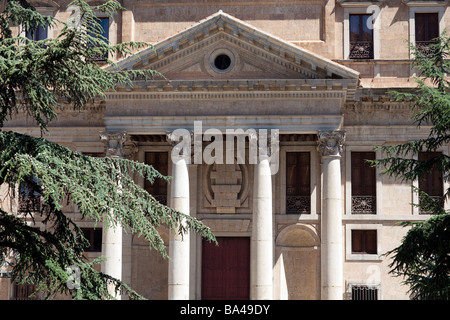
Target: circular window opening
(222,62)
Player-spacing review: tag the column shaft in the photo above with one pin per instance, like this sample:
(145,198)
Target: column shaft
(332,246)
(179,245)
(330,144)
(112,236)
(112,250)
(262,239)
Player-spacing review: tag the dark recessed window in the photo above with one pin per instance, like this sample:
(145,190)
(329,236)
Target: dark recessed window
(361,36)
(431,182)
(363,183)
(104,36)
(364,241)
(158,189)
(94,236)
(37,33)
(222,62)
(298,179)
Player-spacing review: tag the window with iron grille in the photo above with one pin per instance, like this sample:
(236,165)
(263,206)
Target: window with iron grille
(159,161)
(432,182)
(24,292)
(298,182)
(104,33)
(361,36)
(363,292)
(29,195)
(363,179)
(426,30)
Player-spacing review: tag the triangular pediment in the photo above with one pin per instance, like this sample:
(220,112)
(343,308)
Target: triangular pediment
(223,47)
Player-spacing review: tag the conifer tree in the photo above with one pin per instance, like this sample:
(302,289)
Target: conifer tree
(423,258)
(35,77)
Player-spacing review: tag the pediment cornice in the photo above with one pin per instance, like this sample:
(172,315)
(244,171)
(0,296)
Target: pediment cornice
(341,89)
(224,27)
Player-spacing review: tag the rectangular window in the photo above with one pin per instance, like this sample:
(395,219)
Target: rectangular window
(29,195)
(361,36)
(363,292)
(94,236)
(364,241)
(298,182)
(427,29)
(432,183)
(159,161)
(363,183)
(104,23)
(24,292)
(38,33)
(104,33)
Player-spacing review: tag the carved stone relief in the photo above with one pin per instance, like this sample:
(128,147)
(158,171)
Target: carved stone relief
(118,144)
(225,187)
(331,143)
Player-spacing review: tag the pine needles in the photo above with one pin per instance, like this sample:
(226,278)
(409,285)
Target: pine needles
(35,77)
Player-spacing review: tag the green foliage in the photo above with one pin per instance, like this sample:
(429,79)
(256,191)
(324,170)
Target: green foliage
(36,76)
(423,258)
(60,177)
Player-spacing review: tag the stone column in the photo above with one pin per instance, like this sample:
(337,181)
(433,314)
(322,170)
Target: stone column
(262,224)
(112,236)
(330,147)
(179,246)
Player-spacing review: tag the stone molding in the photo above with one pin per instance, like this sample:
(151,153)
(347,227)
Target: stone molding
(425,3)
(360,3)
(201,92)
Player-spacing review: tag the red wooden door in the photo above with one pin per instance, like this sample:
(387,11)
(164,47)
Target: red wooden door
(226,269)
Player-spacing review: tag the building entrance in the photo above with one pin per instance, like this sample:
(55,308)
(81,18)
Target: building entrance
(226,269)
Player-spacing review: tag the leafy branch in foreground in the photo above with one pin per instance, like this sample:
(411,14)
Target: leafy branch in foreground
(423,258)
(35,77)
(95,185)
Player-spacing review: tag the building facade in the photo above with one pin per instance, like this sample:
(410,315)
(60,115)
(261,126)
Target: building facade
(309,79)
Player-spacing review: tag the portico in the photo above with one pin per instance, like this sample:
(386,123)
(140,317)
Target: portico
(262,84)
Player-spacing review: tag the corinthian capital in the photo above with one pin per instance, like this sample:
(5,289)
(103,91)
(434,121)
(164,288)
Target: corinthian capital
(118,145)
(331,143)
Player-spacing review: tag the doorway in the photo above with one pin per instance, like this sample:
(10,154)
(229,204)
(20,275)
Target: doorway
(226,269)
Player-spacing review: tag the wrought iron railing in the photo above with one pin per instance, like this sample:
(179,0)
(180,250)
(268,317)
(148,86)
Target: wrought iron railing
(425,47)
(364,205)
(439,199)
(363,292)
(298,204)
(24,292)
(29,203)
(361,50)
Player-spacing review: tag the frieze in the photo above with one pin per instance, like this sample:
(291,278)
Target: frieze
(226,95)
(390,106)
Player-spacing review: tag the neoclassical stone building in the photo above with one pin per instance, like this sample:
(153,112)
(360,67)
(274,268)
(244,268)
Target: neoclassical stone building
(317,74)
